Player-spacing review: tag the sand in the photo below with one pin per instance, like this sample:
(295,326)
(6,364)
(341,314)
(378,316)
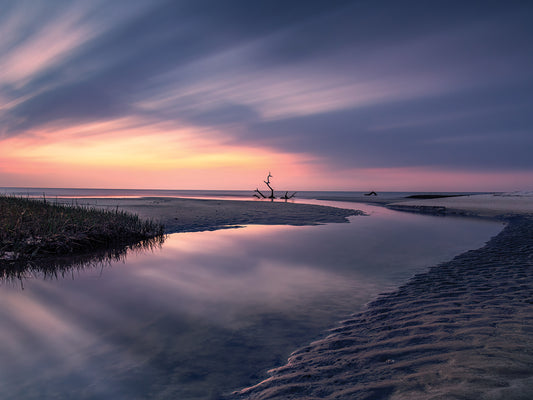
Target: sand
(189,215)
(482,205)
(462,330)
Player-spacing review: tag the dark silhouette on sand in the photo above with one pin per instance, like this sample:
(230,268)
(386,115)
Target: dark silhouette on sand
(261,195)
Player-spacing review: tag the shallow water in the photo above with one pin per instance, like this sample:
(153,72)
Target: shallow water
(461,330)
(210,312)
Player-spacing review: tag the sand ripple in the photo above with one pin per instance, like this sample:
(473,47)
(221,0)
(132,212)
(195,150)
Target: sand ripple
(463,330)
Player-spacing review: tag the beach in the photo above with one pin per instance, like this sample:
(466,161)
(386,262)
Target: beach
(461,330)
(193,215)
(214,200)
(501,205)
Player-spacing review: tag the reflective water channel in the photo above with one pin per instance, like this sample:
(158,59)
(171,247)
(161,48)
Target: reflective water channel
(209,312)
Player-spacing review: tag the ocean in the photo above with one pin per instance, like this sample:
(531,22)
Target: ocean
(205,194)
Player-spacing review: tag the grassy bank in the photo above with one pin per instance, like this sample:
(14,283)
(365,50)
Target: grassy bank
(31,228)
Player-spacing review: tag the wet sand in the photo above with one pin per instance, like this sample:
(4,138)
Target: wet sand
(189,215)
(500,205)
(462,330)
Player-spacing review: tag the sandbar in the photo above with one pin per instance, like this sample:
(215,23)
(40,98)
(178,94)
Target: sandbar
(497,205)
(189,215)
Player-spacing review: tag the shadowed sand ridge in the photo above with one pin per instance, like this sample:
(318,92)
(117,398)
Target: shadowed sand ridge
(463,330)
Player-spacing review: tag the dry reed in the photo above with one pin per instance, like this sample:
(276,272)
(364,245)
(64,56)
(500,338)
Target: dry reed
(36,228)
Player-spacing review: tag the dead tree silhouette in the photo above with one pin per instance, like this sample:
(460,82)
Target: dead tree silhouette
(261,195)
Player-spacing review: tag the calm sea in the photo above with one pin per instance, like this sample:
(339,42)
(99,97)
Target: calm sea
(215,194)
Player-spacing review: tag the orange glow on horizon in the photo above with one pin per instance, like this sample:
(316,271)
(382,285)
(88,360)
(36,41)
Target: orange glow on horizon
(126,153)
(129,153)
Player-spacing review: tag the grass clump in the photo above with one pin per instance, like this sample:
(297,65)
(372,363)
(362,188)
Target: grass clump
(32,228)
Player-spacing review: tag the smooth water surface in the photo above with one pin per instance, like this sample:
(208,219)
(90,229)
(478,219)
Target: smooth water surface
(51,193)
(209,312)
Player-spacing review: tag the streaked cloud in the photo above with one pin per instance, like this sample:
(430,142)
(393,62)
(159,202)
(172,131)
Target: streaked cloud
(346,85)
(137,154)
(45,47)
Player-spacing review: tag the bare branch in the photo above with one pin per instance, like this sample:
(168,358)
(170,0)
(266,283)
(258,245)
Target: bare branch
(270,187)
(260,194)
(268,178)
(286,196)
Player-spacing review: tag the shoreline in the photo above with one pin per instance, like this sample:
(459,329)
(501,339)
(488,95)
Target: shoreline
(462,329)
(459,330)
(494,206)
(180,214)
(498,206)
(194,215)
(35,230)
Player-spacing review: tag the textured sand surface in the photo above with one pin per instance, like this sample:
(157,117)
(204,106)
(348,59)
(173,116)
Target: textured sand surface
(463,330)
(186,215)
(483,205)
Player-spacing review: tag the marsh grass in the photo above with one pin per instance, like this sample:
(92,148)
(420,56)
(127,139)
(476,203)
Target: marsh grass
(32,229)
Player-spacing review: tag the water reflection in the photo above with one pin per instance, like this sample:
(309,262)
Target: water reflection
(210,311)
(67,265)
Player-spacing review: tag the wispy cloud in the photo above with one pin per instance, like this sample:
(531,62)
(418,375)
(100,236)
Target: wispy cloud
(349,84)
(49,45)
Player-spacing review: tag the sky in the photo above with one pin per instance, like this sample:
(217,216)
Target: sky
(213,94)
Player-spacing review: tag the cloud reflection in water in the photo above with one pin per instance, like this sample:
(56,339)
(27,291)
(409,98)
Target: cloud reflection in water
(210,311)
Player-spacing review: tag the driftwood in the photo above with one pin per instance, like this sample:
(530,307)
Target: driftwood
(267,182)
(287,197)
(261,195)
